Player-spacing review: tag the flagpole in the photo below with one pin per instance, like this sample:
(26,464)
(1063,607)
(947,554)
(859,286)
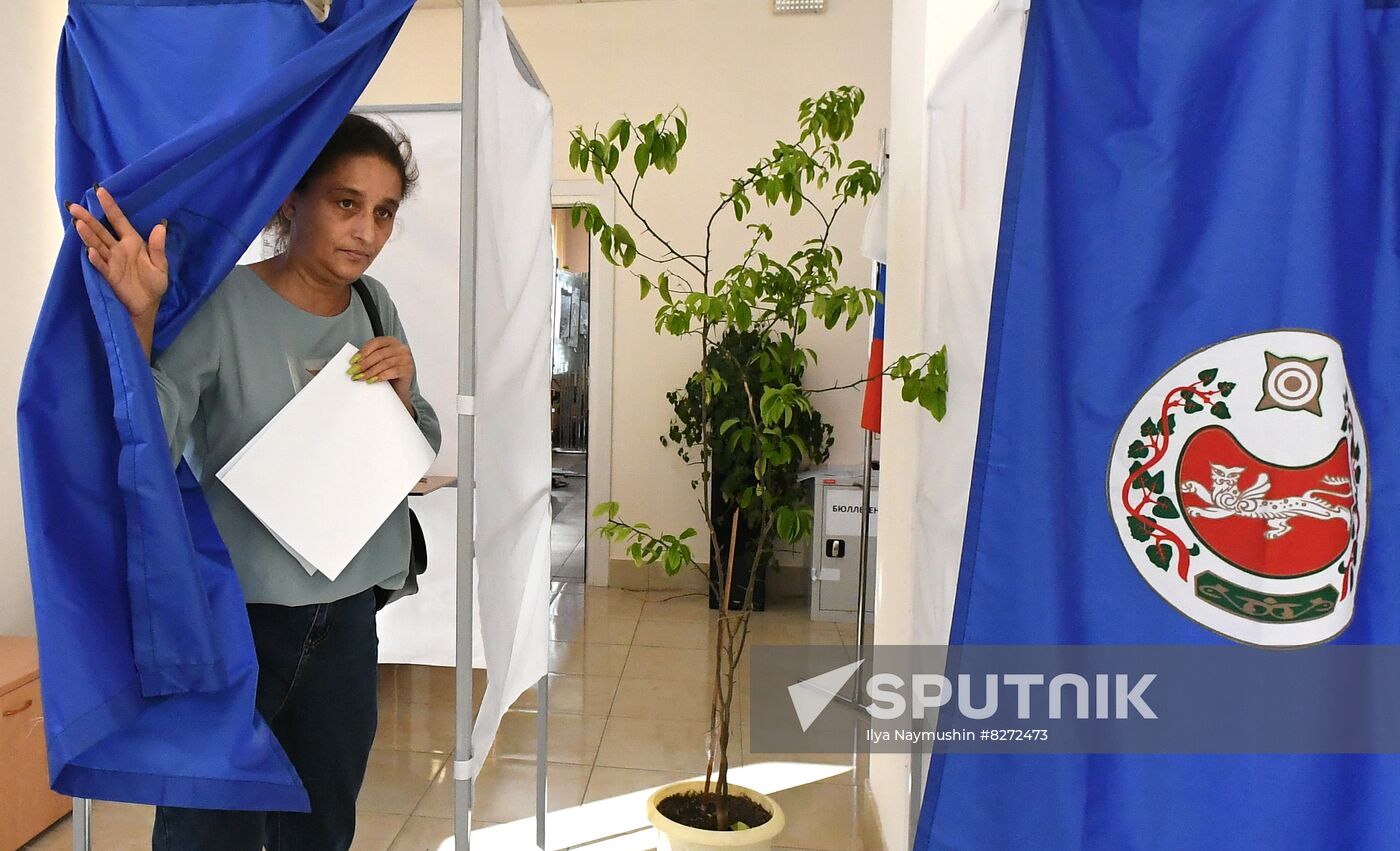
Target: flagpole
(858,693)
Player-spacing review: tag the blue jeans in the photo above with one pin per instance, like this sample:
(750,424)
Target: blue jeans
(318,681)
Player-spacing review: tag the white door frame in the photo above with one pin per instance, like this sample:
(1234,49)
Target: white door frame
(601,288)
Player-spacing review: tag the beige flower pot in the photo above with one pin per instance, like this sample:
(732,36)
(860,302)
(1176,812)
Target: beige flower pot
(671,836)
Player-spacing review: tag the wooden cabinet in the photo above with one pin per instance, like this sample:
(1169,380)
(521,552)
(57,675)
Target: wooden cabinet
(27,805)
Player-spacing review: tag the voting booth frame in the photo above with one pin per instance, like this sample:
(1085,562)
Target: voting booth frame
(466,532)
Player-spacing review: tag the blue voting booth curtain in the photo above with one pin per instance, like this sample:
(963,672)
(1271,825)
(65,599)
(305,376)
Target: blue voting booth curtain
(205,112)
(1201,209)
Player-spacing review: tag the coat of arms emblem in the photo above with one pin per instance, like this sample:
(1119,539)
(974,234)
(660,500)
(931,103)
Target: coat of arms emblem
(1238,485)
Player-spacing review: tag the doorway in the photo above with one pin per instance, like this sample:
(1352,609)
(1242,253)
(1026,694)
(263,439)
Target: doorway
(569,399)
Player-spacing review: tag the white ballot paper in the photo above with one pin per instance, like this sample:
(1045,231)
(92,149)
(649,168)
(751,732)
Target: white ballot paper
(326,472)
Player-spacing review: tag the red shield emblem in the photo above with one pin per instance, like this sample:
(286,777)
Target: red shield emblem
(1266,519)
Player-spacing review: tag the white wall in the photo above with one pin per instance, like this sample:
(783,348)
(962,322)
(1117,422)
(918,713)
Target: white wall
(740,72)
(924,36)
(29,219)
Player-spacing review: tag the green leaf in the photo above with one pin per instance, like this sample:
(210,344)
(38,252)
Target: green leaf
(1143,480)
(738,825)
(939,408)
(728,424)
(1165,508)
(1137,449)
(1225,387)
(785,523)
(1160,555)
(605,242)
(641,158)
(1207,376)
(1220,410)
(1139,528)
(1149,428)
(1195,550)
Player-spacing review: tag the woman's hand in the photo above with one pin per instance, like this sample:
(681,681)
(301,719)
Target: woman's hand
(135,268)
(386,359)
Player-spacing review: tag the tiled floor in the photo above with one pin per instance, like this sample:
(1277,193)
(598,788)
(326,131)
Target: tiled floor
(628,702)
(568,503)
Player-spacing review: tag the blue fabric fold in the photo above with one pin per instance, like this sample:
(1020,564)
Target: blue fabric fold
(204,112)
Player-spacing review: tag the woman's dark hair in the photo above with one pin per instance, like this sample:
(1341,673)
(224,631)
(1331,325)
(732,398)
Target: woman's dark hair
(356,136)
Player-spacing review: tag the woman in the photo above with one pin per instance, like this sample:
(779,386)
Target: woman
(263,333)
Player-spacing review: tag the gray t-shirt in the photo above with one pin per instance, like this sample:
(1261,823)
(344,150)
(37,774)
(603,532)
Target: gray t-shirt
(242,357)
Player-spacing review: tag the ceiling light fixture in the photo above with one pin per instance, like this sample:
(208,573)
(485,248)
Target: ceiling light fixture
(793,7)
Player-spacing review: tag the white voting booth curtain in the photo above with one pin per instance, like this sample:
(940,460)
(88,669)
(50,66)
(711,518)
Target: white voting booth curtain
(969,127)
(514,295)
(514,289)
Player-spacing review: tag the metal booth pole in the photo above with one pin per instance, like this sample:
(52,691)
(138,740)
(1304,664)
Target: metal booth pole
(466,434)
(82,824)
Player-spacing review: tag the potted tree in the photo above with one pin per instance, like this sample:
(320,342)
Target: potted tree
(743,421)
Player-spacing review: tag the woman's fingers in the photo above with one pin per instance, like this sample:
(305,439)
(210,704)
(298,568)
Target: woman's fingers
(156,246)
(381,370)
(378,350)
(98,261)
(96,234)
(120,225)
(389,374)
(374,360)
(394,373)
(375,345)
(398,365)
(382,359)
(90,238)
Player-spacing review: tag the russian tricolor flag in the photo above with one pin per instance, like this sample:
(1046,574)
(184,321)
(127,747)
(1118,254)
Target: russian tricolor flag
(870,410)
(872,245)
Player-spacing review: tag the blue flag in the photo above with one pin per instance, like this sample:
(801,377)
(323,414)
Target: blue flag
(206,113)
(1185,418)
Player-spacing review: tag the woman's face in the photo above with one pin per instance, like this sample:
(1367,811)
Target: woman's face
(342,220)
